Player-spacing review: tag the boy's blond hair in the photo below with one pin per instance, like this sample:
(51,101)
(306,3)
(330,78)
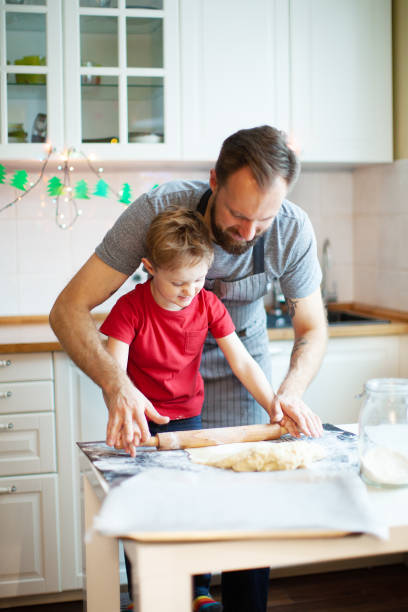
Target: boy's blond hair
(178,237)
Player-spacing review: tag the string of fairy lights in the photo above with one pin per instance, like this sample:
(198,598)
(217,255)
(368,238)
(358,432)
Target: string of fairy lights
(63,191)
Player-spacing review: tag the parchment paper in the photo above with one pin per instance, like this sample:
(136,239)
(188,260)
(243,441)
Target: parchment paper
(175,500)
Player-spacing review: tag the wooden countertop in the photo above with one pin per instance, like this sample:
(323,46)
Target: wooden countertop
(31,334)
(398,325)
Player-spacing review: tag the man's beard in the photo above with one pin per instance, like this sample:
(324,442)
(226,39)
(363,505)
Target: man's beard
(224,238)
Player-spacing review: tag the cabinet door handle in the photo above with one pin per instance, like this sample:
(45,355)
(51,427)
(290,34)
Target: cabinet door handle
(5,394)
(4,363)
(6,427)
(7,490)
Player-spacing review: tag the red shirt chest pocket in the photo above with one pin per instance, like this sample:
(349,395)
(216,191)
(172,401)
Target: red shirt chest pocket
(194,341)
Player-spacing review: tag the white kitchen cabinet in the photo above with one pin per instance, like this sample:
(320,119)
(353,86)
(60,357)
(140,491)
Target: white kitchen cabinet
(83,417)
(347,365)
(170,79)
(27,443)
(46,405)
(25,367)
(102,78)
(29,535)
(341,80)
(67,400)
(121,76)
(235,70)
(319,69)
(29,518)
(31,93)
(26,396)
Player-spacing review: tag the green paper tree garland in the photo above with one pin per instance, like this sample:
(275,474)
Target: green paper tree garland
(55,187)
(63,195)
(101,189)
(81,190)
(19,179)
(126,194)
(2,174)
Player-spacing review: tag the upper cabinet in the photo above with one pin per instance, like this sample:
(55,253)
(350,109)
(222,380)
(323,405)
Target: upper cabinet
(235,70)
(31,99)
(170,79)
(121,78)
(319,69)
(341,87)
(101,76)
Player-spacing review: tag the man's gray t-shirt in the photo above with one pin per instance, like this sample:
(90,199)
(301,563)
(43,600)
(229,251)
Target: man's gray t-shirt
(290,245)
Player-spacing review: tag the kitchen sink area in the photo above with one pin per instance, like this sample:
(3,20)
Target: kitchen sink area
(281,319)
(341,317)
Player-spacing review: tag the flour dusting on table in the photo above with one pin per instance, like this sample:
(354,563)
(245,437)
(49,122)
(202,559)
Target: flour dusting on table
(116,465)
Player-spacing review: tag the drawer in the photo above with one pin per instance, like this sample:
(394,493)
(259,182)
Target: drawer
(29,562)
(26,366)
(27,444)
(35,396)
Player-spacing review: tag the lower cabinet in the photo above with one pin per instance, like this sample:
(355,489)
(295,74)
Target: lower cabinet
(82,417)
(347,365)
(29,560)
(29,519)
(27,443)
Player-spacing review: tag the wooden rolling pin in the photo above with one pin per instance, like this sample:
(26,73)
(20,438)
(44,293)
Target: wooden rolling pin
(176,440)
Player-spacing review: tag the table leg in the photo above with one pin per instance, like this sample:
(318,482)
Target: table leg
(160,582)
(102,561)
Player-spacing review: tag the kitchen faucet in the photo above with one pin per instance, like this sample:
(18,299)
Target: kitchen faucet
(328,294)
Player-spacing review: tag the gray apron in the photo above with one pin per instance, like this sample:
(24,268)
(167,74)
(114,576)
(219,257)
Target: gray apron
(227,402)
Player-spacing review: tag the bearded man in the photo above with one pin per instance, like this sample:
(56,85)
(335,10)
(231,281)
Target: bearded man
(259,236)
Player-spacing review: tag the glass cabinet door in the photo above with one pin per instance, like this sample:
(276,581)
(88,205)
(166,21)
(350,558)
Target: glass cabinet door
(31,66)
(122,70)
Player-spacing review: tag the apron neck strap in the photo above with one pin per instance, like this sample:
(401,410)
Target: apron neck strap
(202,205)
(258,255)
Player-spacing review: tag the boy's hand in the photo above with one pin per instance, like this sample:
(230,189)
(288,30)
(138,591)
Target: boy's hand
(296,416)
(127,424)
(275,411)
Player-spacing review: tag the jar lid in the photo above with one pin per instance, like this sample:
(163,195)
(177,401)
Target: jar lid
(387,385)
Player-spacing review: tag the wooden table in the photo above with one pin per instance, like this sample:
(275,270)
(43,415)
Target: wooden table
(162,568)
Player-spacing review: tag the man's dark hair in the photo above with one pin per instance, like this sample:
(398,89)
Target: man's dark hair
(264,150)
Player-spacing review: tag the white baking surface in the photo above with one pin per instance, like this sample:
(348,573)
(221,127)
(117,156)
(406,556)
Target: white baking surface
(182,501)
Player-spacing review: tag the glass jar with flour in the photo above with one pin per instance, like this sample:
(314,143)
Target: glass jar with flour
(383,429)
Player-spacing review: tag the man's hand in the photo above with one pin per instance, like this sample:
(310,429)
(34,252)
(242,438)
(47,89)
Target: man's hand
(292,413)
(127,425)
(310,328)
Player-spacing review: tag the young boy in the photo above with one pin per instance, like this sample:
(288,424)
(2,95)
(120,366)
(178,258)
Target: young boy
(157,331)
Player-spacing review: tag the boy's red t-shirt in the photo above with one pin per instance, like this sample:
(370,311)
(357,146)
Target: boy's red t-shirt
(165,346)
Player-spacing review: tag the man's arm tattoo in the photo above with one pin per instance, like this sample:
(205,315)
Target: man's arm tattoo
(297,347)
(291,304)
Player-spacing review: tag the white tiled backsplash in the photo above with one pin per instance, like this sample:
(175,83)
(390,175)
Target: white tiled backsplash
(380,196)
(364,214)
